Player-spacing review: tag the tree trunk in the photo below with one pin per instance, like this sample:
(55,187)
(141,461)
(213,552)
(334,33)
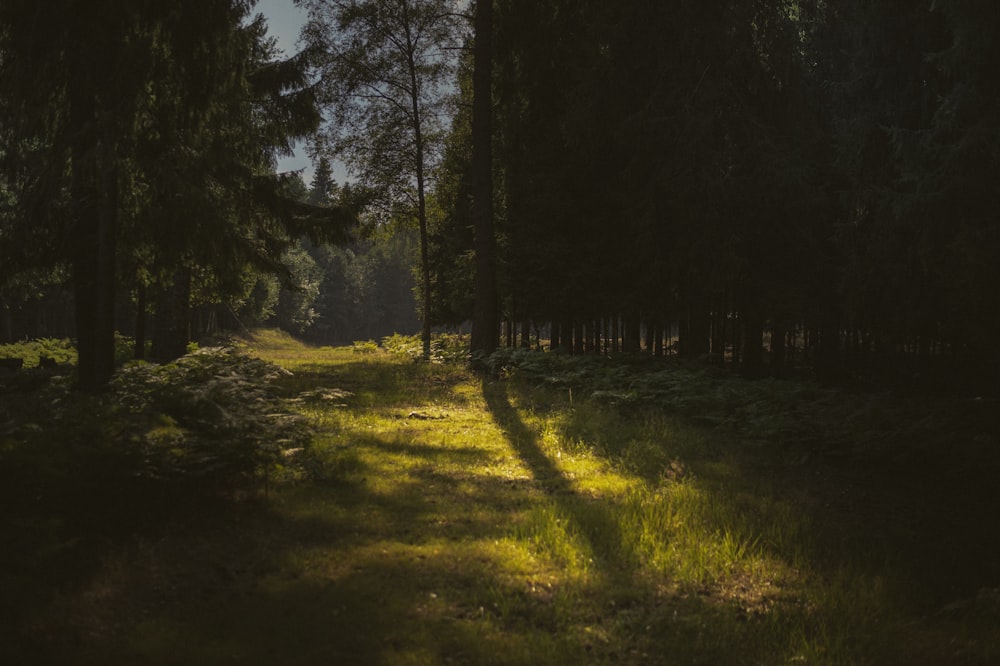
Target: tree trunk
(694,333)
(753,341)
(171,328)
(633,333)
(94,194)
(778,335)
(418,143)
(140,324)
(828,348)
(485,307)
(718,352)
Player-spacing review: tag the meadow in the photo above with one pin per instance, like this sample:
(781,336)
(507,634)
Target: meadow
(552,511)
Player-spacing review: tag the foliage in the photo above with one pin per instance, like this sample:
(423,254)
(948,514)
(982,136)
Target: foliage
(480,521)
(61,352)
(365,289)
(296,310)
(141,150)
(365,347)
(445,347)
(384,70)
(213,415)
(212,421)
(800,418)
(731,170)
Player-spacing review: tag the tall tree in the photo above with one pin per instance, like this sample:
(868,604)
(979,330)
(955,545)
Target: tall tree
(385,68)
(78,76)
(154,127)
(486,316)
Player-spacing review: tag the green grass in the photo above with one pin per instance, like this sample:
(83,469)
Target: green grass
(447,519)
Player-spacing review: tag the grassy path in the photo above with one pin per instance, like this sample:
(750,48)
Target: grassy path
(451,520)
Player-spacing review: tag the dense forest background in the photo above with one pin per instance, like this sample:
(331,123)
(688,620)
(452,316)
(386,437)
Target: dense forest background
(781,185)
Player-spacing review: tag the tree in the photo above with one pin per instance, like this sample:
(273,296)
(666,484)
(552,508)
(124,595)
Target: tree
(324,188)
(147,131)
(78,76)
(486,317)
(385,67)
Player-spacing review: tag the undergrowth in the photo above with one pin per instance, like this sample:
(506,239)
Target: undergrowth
(801,416)
(210,421)
(573,511)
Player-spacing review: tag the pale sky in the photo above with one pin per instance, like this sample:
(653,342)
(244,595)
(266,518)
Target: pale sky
(284,21)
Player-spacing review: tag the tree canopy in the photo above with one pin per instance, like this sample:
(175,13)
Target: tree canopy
(775,184)
(140,141)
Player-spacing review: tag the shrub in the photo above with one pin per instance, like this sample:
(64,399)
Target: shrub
(213,415)
(445,347)
(403,345)
(364,347)
(61,351)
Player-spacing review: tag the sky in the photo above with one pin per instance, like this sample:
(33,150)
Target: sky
(284,21)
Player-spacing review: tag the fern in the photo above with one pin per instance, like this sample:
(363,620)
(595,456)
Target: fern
(213,414)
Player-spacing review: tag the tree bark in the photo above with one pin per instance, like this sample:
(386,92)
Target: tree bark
(95,203)
(632,343)
(778,349)
(172,327)
(485,307)
(139,352)
(753,341)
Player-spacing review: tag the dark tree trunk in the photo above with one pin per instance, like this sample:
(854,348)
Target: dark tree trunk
(140,323)
(718,353)
(752,325)
(633,333)
(778,353)
(8,326)
(828,348)
(736,337)
(658,337)
(93,234)
(172,327)
(694,334)
(485,307)
(753,341)
(578,344)
(566,335)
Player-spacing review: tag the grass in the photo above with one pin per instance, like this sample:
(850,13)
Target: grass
(447,519)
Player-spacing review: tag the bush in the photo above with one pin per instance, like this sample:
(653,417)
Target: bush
(403,345)
(445,347)
(61,351)
(364,347)
(213,415)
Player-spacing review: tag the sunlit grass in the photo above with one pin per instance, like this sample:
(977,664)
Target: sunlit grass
(441,518)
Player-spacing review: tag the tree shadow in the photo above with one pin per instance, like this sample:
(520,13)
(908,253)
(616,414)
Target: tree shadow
(591,517)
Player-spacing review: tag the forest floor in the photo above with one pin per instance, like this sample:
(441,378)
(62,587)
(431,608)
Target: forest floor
(443,518)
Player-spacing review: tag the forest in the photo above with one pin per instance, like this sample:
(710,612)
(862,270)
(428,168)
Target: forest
(777,185)
(603,332)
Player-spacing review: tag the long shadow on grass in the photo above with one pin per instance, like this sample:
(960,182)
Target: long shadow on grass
(601,531)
